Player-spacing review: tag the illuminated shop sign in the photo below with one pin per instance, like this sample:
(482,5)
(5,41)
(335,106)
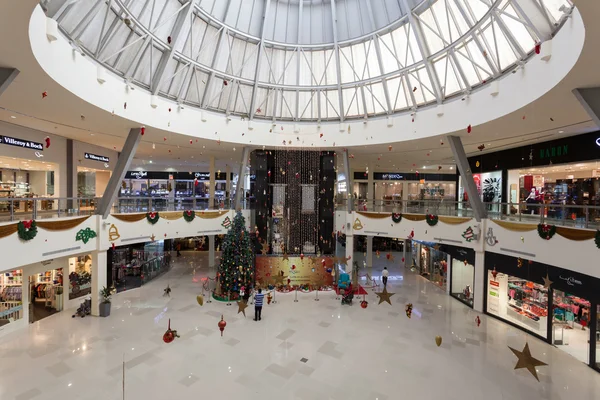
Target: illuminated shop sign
(26,144)
(555,151)
(95,157)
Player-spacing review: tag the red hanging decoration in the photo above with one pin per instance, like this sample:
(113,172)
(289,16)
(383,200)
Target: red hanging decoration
(293,266)
(481,147)
(320,135)
(469,129)
(169,39)
(125,105)
(494,273)
(222,324)
(47,140)
(195,181)
(44,95)
(225,83)
(477,321)
(170,334)
(142,130)
(538,48)
(364,304)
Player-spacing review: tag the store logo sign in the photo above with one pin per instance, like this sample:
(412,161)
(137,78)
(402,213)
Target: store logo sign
(26,144)
(95,157)
(571,281)
(202,175)
(598,142)
(392,177)
(138,174)
(556,151)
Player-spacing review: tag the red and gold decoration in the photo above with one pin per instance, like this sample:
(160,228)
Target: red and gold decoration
(189,215)
(152,217)
(408,309)
(526,360)
(364,304)
(431,219)
(396,217)
(222,324)
(170,334)
(311,272)
(546,231)
(385,296)
(226,223)
(27,230)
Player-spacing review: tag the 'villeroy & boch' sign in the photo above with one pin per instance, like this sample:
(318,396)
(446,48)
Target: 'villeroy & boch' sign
(26,144)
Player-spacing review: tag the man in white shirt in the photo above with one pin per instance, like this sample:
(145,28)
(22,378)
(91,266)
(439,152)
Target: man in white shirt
(384,275)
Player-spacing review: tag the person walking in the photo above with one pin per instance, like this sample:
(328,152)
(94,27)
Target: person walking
(384,276)
(178,248)
(258,304)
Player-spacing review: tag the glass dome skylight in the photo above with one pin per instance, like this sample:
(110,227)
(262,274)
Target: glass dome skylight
(309,59)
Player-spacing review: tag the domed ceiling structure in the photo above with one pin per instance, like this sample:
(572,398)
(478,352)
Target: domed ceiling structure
(309,60)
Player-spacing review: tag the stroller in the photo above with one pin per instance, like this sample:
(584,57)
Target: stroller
(84,309)
(347,296)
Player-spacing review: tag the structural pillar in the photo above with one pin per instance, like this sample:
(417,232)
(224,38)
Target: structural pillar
(346,163)
(211,251)
(123,163)
(369,252)
(371,190)
(404,251)
(241,176)
(448,274)
(228,201)
(7,76)
(99,260)
(212,184)
(462,164)
(479,281)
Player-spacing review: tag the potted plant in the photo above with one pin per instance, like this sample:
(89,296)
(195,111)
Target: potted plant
(106,294)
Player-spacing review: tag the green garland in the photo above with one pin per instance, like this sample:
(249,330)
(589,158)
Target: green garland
(189,215)
(396,217)
(597,239)
(546,231)
(27,230)
(152,217)
(431,219)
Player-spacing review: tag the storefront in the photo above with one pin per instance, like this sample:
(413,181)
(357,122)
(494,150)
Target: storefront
(393,187)
(130,267)
(46,294)
(551,174)
(429,261)
(462,273)
(94,167)
(563,312)
(11,297)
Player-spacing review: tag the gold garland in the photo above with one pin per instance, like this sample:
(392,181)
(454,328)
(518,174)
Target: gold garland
(453,220)
(414,217)
(211,214)
(61,225)
(575,234)
(515,226)
(373,215)
(129,217)
(171,215)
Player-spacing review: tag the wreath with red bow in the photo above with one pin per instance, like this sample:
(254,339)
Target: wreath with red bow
(396,217)
(189,215)
(152,217)
(546,231)
(431,219)
(27,230)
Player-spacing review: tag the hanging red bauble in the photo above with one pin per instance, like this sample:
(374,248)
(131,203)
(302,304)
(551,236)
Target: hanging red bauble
(225,83)
(113,246)
(269,173)
(477,320)
(301,256)
(195,181)
(44,95)
(142,130)
(170,334)
(538,48)
(364,304)
(293,266)
(402,259)
(222,324)
(469,129)
(494,273)
(289,280)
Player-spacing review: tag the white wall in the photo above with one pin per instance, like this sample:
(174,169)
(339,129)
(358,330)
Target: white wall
(102,178)
(37,182)
(79,160)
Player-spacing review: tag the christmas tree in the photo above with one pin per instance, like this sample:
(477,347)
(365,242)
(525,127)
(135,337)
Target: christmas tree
(237,258)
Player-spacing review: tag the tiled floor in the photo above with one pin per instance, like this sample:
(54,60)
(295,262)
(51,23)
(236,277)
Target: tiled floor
(306,350)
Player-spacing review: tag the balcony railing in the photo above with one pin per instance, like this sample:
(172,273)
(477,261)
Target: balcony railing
(577,216)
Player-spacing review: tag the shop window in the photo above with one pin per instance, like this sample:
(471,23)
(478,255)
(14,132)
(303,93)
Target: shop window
(46,294)
(80,276)
(463,275)
(519,301)
(571,324)
(11,296)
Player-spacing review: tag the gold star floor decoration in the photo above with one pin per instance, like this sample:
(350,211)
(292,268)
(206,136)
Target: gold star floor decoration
(385,296)
(285,257)
(527,361)
(242,307)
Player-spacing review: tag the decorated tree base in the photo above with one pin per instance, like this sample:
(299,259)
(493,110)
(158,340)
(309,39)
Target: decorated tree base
(233,296)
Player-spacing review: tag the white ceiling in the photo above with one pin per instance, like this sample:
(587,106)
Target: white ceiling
(557,111)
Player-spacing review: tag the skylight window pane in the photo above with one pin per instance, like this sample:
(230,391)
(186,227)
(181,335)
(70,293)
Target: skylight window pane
(431,32)
(518,30)
(447,76)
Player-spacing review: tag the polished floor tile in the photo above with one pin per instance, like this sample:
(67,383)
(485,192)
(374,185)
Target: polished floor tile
(305,350)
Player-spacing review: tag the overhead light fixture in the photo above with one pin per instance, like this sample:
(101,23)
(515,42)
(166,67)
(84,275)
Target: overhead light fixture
(546,50)
(153,101)
(495,88)
(440,110)
(561,131)
(202,115)
(100,74)
(390,121)
(13,117)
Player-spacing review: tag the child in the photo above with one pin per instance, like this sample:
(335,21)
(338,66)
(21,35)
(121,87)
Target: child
(384,276)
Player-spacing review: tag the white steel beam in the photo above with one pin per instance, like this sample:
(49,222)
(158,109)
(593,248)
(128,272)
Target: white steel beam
(261,50)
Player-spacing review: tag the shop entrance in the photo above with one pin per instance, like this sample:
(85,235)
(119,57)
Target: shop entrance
(571,325)
(45,294)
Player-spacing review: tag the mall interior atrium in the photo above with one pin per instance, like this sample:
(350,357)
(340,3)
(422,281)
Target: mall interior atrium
(299,199)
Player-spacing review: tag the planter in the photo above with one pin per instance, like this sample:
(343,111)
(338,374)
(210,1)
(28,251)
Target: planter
(104,309)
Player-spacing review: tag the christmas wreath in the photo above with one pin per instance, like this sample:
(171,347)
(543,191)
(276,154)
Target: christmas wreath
(189,215)
(597,239)
(546,231)
(152,217)
(396,217)
(27,230)
(431,219)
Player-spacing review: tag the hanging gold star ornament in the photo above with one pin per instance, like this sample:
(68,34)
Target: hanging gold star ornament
(385,296)
(527,361)
(242,307)
(357,225)
(152,237)
(265,248)
(285,257)
(547,281)
(279,278)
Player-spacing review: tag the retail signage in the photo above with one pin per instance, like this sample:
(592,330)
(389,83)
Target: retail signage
(95,157)
(137,174)
(570,280)
(553,152)
(598,142)
(147,175)
(201,176)
(387,176)
(26,144)
(395,176)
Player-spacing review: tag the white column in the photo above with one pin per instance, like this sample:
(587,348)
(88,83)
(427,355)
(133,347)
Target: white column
(228,187)
(371,190)
(404,252)
(25,296)
(211,189)
(211,251)
(448,274)
(99,261)
(479,284)
(369,252)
